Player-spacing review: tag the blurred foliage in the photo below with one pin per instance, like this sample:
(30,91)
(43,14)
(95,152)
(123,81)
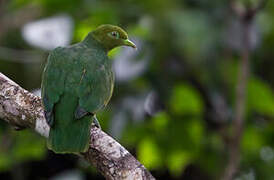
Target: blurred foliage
(188,100)
(191,50)
(260,97)
(18,147)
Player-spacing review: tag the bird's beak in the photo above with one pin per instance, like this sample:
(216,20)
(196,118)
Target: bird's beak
(127,42)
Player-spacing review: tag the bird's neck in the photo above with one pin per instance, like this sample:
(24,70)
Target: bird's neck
(91,42)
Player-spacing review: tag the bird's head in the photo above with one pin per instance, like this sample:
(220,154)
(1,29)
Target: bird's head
(110,36)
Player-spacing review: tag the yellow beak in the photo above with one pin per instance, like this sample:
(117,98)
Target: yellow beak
(127,42)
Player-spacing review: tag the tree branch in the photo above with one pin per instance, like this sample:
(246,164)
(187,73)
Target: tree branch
(238,122)
(246,15)
(22,109)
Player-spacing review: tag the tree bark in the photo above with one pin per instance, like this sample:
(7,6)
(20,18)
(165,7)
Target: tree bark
(22,109)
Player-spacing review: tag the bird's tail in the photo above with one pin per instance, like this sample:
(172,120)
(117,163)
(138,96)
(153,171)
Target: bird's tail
(73,138)
(68,134)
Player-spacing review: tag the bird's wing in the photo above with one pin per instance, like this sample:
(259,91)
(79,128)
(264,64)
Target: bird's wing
(94,89)
(53,83)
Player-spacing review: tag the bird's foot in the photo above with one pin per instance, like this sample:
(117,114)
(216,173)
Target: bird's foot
(96,122)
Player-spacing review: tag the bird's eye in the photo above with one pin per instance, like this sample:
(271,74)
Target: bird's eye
(115,34)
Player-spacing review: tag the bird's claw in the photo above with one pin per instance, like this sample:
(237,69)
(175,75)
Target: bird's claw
(96,122)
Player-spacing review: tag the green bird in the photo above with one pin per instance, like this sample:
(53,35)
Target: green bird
(77,82)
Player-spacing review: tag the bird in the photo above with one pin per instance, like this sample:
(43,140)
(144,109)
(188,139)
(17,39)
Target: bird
(77,82)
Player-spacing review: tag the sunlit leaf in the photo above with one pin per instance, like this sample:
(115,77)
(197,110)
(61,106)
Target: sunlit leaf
(260,97)
(160,121)
(82,30)
(149,154)
(177,160)
(186,100)
(252,140)
(196,131)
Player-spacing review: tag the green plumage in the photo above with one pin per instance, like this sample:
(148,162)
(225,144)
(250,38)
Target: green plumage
(77,82)
(69,134)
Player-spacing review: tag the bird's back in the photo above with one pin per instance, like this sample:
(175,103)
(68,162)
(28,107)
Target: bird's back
(75,76)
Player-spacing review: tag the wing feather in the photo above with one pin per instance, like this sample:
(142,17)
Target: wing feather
(53,80)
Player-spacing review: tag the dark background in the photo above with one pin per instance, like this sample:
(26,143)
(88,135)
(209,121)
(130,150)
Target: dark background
(174,98)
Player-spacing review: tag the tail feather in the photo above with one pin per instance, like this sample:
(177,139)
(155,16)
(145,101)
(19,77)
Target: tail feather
(71,138)
(68,134)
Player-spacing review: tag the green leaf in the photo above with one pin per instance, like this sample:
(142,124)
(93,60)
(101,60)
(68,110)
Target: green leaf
(148,153)
(186,100)
(82,31)
(196,131)
(177,161)
(160,121)
(253,140)
(260,97)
